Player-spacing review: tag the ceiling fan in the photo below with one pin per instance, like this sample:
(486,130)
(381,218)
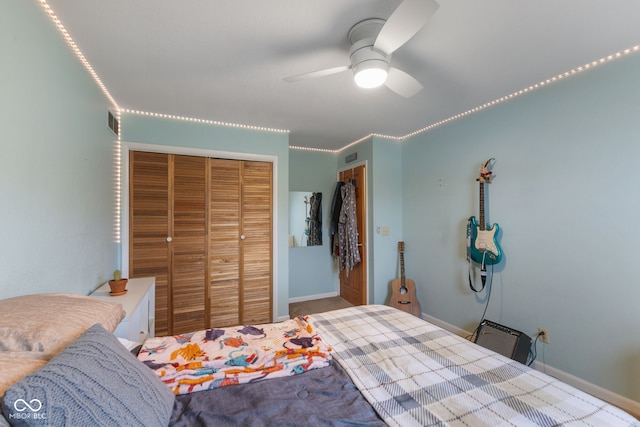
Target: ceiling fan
(372,43)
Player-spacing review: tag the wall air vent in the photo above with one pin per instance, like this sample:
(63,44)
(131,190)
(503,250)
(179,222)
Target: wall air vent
(114,124)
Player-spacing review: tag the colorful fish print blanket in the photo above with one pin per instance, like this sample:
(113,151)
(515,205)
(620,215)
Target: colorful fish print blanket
(220,357)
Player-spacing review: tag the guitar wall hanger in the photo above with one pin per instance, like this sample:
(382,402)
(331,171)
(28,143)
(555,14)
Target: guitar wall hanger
(485,173)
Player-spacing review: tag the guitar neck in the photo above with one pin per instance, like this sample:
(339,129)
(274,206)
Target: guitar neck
(482,223)
(402,280)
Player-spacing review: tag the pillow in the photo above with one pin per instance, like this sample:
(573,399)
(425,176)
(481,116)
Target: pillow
(93,381)
(48,322)
(13,367)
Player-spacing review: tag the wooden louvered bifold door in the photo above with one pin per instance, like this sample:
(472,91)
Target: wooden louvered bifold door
(203,228)
(255,260)
(149,253)
(189,244)
(168,235)
(224,254)
(240,259)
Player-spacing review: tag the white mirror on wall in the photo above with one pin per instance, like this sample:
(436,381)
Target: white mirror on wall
(305,218)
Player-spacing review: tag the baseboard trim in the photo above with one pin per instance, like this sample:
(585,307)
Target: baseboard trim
(312,297)
(615,399)
(282,318)
(444,325)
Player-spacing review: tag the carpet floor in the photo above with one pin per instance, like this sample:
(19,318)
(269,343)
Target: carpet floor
(317,306)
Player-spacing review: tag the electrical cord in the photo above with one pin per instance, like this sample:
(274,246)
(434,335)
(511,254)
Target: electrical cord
(488,296)
(484,313)
(533,351)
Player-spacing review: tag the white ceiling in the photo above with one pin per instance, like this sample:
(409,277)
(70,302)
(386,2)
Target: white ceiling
(225,60)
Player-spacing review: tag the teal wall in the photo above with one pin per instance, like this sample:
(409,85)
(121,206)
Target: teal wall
(386,184)
(234,142)
(312,270)
(565,194)
(56,167)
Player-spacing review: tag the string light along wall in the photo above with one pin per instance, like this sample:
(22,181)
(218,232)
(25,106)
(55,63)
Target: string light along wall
(77,52)
(114,125)
(569,73)
(118,144)
(533,87)
(114,120)
(117,148)
(204,121)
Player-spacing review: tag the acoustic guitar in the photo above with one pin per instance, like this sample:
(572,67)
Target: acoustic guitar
(484,248)
(403,290)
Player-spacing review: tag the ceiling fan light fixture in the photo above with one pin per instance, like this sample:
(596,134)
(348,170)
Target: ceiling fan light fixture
(370,74)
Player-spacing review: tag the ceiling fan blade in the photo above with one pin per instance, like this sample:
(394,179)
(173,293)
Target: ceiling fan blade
(319,73)
(404,23)
(402,83)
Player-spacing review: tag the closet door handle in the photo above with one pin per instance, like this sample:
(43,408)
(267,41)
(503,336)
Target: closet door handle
(169,239)
(242,237)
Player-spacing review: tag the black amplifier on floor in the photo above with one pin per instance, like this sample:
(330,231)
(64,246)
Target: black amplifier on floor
(506,341)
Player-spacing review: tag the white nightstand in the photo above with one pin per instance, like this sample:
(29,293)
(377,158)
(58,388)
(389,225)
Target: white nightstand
(139,304)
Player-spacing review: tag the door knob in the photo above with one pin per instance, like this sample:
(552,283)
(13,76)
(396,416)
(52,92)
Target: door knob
(242,236)
(169,239)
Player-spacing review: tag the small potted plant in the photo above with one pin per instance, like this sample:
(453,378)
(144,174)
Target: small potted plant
(118,284)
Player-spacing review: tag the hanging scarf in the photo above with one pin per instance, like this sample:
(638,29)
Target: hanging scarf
(348,229)
(336,207)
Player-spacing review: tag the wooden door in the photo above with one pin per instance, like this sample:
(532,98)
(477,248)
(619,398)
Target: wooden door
(203,228)
(255,243)
(149,219)
(240,260)
(224,243)
(188,233)
(353,287)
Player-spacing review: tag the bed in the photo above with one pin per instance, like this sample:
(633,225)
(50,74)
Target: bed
(365,366)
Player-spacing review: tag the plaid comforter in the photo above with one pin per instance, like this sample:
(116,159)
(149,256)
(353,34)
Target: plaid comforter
(415,373)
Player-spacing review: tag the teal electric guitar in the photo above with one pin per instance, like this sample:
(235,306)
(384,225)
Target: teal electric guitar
(484,248)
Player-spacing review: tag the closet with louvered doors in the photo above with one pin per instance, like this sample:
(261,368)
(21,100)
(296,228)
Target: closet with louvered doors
(203,229)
